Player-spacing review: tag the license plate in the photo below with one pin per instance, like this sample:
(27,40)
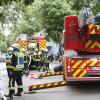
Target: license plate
(95,68)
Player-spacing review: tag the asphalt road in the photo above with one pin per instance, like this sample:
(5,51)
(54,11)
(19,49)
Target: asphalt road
(76,92)
(85,92)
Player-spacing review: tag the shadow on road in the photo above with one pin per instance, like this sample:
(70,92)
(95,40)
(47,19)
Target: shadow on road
(86,88)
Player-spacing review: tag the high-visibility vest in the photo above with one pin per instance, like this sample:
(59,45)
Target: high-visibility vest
(20,60)
(45,58)
(37,56)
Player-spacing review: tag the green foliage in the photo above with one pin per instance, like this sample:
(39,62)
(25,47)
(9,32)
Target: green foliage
(5,2)
(96,8)
(44,14)
(53,13)
(30,16)
(3,45)
(28,2)
(78,4)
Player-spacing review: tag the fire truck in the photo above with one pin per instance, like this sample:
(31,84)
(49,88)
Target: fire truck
(36,42)
(81,59)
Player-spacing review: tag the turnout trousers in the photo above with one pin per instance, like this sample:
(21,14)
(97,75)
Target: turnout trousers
(18,79)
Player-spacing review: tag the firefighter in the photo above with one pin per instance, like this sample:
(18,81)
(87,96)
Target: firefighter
(10,71)
(34,58)
(18,57)
(8,60)
(17,64)
(37,59)
(26,60)
(46,62)
(31,62)
(42,60)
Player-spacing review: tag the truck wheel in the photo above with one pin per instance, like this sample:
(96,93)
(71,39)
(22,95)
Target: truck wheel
(72,83)
(68,83)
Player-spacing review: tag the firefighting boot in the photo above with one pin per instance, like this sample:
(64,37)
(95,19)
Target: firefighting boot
(18,94)
(9,97)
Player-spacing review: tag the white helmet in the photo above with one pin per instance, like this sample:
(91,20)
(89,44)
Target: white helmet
(10,49)
(46,50)
(36,49)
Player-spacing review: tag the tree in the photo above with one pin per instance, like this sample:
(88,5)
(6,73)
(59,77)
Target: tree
(53,13)
(35,15)
(3,45)
(44,14)
(30,21)
(78,4)
(27,2)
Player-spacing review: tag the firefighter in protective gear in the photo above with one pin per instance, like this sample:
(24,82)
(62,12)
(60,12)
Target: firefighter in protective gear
(37,59)
(18,58)
(26,61)
(42,62)
(17,65)
(10,71)
(46,62)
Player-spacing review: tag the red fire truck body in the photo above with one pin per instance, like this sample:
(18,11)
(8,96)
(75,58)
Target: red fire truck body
(85,66)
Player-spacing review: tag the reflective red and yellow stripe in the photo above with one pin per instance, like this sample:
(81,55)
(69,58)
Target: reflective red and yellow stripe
(92,44)
(47,85)
(94,62)
(51,74)
(78,67)
(43,44)
(93,29)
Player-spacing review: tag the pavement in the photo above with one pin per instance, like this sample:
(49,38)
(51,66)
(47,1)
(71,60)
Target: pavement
(76,92)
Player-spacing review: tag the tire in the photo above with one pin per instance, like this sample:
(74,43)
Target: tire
(58,69)
(68,83)
(72,83)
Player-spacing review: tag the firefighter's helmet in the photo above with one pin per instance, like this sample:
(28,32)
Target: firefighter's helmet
(46,50)
(22,50)
(36,49)
(10,49)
